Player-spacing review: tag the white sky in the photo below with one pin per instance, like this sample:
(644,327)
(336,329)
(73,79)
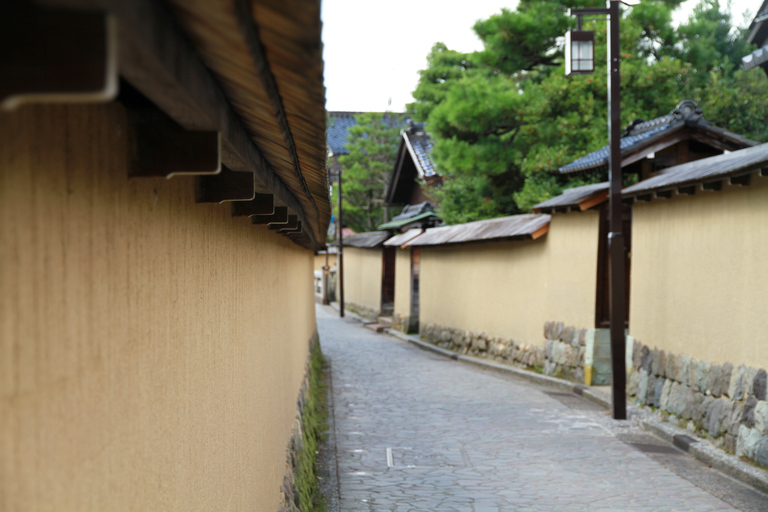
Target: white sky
(373,50)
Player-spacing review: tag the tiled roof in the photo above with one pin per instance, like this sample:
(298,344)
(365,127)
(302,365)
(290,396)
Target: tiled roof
(339,124)
(420,146)
(706,170)
(398,223)
(521,227)
(401,238)
(368,240)
(643,134)
(572,197)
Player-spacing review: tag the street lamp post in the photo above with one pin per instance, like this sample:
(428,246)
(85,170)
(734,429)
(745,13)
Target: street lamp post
(616,243)
(340,256)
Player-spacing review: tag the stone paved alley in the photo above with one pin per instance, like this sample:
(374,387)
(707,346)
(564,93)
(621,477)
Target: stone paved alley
(415,431)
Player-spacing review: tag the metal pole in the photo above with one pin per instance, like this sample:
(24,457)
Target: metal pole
(340,277)
(616,237)
(326,272)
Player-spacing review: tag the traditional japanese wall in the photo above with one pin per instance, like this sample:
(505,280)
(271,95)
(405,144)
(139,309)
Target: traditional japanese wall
(362,280)
(510,289)
(699,279)
(320,261)
(402,289)
(151,349)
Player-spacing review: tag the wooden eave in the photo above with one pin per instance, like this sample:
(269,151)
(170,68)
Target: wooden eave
(249,71)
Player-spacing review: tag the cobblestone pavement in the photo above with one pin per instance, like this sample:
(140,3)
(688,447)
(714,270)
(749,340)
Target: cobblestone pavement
(419,432)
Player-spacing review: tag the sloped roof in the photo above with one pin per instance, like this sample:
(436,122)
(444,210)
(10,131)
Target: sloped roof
(415,147)
(401,238)
(521,227)
(339,124)
(640,136)
(576,197)
(686,177)
(266,55)
(419,145)
(397,223)
(369,240)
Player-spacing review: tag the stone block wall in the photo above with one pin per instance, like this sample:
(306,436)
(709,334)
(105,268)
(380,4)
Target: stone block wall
(723,403)
(565,350)
(403,323)
(362,311)
(481,345)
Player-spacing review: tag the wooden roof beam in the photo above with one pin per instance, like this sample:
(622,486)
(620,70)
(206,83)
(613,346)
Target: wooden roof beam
(291,223)
(280,215)
(158,60)
(226,186)
(56,55)
(261,204)
(162,148)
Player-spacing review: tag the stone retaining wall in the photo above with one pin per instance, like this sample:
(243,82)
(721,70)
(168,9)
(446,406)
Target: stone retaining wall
(362,311)
(480,345)
(401,322)
(724,403)
(565,348)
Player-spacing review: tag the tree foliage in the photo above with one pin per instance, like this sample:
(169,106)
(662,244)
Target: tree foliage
(504,119)
(367,168)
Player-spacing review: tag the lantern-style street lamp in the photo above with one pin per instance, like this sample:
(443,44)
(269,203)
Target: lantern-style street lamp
(580,60)
(579,51)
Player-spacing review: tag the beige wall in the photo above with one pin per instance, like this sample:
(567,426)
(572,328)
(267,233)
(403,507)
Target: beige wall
(151,349)
(509,289)
(699,279)
(320,261)
(403,282)
(362,277)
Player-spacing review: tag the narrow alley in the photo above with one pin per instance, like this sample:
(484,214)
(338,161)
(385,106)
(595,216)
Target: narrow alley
(415,431)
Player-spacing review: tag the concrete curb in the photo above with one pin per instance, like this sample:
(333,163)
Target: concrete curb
(680,438)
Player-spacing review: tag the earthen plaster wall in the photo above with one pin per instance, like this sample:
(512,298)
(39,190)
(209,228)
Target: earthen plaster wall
(362,277)
(510,289)
(699,280)
(151,349)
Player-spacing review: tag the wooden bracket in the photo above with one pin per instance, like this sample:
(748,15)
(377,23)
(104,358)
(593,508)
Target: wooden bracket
(742,181)
(56,55)
(280,215)
(297,229)
(162,148)
(291,223)
(261,204)
(228,185)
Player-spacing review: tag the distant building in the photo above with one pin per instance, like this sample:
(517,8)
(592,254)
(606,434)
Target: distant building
(414,173)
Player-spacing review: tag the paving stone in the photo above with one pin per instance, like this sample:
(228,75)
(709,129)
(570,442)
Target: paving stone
(463,439)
